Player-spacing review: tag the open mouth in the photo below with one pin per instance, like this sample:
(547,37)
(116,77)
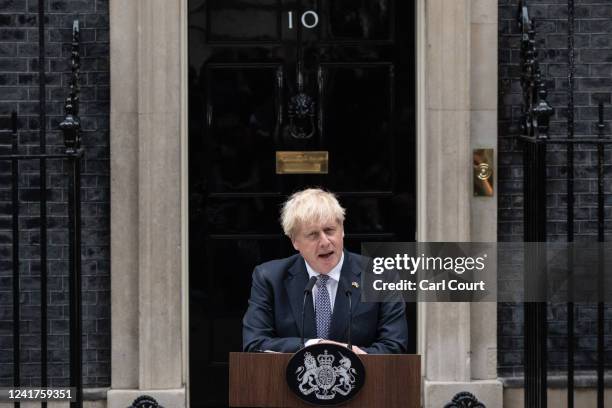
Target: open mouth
(326,255)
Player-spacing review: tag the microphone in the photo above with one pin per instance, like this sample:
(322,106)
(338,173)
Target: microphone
(307,291)
(349,294)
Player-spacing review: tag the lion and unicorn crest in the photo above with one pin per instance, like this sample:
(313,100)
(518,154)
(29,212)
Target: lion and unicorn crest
(324,379)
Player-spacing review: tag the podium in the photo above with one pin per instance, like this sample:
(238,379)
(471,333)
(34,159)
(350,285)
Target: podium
(259,380)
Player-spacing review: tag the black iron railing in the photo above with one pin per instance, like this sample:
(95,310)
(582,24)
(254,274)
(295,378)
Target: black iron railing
(71,156)
(536,113)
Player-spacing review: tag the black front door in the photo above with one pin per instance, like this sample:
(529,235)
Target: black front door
(278,75)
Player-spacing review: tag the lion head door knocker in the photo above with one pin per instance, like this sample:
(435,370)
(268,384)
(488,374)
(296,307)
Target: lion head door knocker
(301,113)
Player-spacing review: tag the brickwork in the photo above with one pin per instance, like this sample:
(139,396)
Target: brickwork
(19,92)
(593,83)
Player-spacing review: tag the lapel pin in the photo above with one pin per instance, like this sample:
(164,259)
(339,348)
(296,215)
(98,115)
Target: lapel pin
(355,284)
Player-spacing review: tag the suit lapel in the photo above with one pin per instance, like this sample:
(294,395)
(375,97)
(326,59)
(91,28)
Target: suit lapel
(350,273)
(296,281)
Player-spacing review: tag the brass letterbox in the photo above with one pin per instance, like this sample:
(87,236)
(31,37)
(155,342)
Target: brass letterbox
(302,162)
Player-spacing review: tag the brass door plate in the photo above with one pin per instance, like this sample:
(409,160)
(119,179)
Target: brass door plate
(303,162)
(483,172)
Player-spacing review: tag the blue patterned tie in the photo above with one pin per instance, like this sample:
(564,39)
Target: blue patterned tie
(322,307)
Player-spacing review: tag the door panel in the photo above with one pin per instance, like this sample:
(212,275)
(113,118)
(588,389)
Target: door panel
(247,66)
(248,215)
(357,110)
(243,20)
(241,121)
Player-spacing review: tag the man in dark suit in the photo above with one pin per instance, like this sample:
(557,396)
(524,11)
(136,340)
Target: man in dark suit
(313,220)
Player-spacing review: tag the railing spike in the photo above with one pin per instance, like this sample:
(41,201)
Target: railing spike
(71,125)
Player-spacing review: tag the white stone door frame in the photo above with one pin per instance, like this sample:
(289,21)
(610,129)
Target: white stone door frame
(148,201)
(457,111)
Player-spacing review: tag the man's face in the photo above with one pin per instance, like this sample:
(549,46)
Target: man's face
(320,243)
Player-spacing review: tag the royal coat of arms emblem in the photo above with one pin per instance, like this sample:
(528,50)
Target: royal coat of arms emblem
(325,374)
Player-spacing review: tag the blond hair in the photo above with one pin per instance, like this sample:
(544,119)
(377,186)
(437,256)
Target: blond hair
(307,206)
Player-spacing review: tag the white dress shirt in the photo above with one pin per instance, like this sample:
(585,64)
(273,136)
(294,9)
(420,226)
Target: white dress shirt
(332,286)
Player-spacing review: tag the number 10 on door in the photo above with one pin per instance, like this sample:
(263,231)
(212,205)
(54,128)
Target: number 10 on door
(309,19)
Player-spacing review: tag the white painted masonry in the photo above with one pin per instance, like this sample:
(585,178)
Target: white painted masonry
(457,112)
(147,280)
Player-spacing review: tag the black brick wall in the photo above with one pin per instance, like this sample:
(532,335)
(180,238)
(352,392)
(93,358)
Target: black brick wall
(593,83)
(19,91)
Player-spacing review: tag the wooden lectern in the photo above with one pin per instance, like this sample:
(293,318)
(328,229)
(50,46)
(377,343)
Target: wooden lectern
(258,380)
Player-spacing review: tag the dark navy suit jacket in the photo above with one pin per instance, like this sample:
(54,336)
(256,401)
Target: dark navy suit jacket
(273,319)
